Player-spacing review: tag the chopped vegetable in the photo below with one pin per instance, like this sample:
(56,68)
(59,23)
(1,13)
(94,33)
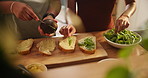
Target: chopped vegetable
(69,40)
(88,43)
(123,37)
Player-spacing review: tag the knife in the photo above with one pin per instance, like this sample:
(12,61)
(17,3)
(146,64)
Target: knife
(22,67)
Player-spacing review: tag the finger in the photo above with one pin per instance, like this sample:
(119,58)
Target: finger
(127,24)
(20,16)
(65,30)
(24,15)
(42,33)
(40,30)
(49,34)
(68,30)
(120,25)
(123,25)
(29,7)
(72,31)
(27,15)
(32,14)
(55,20)
(117,27)
(62,30)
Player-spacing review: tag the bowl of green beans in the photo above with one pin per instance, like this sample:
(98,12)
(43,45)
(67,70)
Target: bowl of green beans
(122,39)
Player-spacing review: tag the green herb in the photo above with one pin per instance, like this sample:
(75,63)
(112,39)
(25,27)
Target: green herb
(69,40)
(88,43)
(123,37)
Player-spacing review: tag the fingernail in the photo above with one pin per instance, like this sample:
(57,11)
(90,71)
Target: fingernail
(55,20)
(37,19)
(69,34)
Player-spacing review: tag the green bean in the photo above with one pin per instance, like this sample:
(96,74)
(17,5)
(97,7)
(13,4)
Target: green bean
(123,37)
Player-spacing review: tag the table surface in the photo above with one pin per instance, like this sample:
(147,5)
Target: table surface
(59,58)
(96,69)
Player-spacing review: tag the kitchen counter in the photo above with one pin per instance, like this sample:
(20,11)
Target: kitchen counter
(93,69)
(97,69)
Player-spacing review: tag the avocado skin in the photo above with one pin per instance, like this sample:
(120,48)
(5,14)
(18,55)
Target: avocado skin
(49,26)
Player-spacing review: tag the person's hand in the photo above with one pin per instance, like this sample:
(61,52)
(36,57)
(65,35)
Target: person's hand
(55,26)
(121,23)
(24,12)
(67,30)
(51,18)
(44,34)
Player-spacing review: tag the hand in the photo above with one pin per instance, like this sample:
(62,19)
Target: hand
(67,30)
(48,17)
(44,34)
(52,24)
(51,18)
(121,23)
(24,12)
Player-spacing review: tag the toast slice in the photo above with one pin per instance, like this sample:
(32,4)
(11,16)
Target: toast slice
(25,46)
(67,44)
(46,46)
(87,44)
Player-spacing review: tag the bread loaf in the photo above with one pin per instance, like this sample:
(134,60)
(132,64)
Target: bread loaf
(46,46)
(88,44)
(67,44)
(25,46)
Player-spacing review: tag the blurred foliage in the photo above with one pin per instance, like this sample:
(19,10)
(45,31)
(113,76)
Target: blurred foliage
(7,46)
(7,70)
(145,43)
(119,72)
(123,72)
(125,52)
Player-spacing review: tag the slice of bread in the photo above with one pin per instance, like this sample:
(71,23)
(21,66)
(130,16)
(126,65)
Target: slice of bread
(46,46)
(67,44)
(25,46)
(87,44)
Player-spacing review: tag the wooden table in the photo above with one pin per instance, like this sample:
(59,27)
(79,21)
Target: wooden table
(98,69)
(91,69)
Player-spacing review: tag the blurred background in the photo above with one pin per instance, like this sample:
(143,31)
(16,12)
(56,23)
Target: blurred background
(138,22)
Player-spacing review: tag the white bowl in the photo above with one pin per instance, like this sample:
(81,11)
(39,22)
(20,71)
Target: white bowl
(117,45)
(36,67)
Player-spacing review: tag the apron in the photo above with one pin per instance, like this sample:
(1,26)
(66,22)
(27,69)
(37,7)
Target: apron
(96,14)
(29,29)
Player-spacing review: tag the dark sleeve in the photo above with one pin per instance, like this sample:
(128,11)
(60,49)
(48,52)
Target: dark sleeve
(72,5)
(129,1)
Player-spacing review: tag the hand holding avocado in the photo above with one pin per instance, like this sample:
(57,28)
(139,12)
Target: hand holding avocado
(48,27)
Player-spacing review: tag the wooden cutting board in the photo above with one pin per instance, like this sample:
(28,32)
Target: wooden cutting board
(59,58)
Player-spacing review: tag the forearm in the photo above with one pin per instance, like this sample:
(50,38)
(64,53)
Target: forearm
(54,7)
(130,9)
(5,7)
(72,5)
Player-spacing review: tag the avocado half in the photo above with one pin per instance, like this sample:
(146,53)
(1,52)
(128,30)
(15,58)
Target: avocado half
(49,26)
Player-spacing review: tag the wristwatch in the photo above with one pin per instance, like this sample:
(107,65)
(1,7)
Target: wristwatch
(47,14)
